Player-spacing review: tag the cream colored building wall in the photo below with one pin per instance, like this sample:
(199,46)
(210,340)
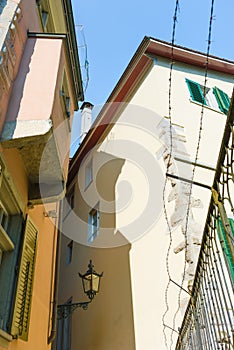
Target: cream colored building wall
(153,94)
(132,193)
(100,193)
(148,255)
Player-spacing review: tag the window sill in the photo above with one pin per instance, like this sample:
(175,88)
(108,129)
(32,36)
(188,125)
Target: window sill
(207,107)
(5,339)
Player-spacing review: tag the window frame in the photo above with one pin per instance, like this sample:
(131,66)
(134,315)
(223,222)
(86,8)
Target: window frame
(4,215)
(25,281)
(93,226)
(69,201)
(6,243)
(71,198)
(44,18)
(88,173)
(46,22)
(65,96)
(69,252)
(64,331)
(11,236)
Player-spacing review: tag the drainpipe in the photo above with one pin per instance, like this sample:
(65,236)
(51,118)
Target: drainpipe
(52,335)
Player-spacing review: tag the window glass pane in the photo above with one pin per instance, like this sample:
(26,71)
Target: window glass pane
(44,17)
(93,224)
(69,252)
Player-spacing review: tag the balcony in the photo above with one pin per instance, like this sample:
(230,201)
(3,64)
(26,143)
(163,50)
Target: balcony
(37,120)
(208,320)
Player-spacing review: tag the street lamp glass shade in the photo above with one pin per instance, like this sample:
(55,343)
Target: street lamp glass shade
(91,281)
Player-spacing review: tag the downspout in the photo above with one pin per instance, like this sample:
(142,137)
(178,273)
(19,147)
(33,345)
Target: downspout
(52,335)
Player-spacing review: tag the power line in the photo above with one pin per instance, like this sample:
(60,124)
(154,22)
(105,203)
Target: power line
(167,168)
(196,156)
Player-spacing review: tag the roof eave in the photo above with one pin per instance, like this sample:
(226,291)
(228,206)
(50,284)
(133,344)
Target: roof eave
(140,63)
(72,42)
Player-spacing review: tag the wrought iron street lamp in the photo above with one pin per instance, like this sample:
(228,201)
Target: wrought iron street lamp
(91,283)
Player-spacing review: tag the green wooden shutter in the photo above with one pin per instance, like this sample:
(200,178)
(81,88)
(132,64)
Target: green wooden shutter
(196,92)
(225,245)
(21,314)
(222,99)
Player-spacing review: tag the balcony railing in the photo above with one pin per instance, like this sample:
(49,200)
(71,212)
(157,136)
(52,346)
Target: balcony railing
(209,319)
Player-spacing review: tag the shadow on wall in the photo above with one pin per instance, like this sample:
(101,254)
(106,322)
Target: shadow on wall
(106,171)
(2,5)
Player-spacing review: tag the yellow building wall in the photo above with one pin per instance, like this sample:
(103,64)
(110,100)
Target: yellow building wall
(57,12)
(111,310)
(108,322)
(42,296)
(43,284)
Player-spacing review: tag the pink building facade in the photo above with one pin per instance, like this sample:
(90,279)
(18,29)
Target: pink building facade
(40,87)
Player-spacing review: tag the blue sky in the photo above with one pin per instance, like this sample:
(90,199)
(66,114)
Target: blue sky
(114,29)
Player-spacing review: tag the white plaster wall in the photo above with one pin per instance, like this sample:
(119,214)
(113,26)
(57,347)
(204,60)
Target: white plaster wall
(138,210)
(149,251)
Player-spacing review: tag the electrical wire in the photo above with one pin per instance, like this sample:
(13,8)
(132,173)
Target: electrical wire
(196,156)
(167,168)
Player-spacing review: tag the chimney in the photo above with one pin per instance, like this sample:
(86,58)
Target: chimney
(86,119)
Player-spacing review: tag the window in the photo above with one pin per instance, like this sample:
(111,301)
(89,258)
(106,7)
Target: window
(6,243)
(11,232)
(69,201)
(3,217)
(93,224)
(222,99)
(22,307)
(71,197)
(89,173)
(44,18)
(211,97)
(64,93)
(69,252)
(18,241)
(64,329)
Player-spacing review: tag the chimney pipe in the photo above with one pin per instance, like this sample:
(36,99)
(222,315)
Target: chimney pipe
(86,119)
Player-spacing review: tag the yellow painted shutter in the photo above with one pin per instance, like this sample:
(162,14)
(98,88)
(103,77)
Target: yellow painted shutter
(21,314)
